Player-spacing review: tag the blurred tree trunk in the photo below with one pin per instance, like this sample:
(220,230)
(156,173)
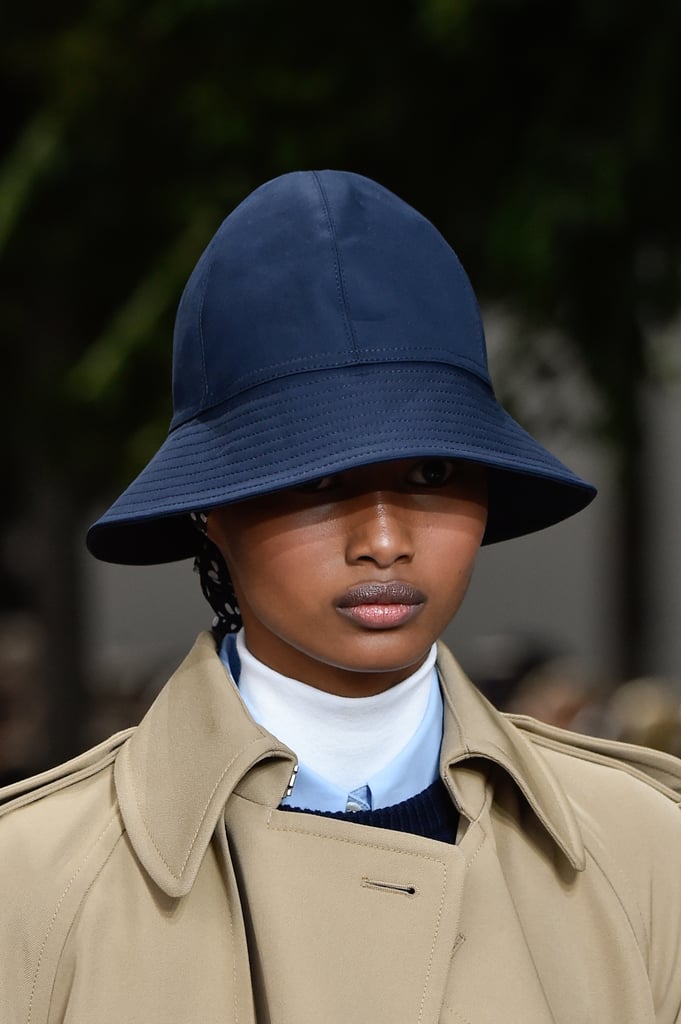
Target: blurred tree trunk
(58,602)
(602,314)
(632,584)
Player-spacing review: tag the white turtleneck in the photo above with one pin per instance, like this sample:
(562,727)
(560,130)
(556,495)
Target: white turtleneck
(345,740)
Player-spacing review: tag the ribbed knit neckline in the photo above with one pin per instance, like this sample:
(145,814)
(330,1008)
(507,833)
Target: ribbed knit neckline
(430,814)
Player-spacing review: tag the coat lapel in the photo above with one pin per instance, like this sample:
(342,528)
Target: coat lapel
(477,736)
(176,773)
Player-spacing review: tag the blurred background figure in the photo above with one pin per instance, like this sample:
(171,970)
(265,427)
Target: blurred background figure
(23,738)
(565,693)
(499,662)
(648,712)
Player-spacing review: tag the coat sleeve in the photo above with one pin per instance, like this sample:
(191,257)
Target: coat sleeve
(634,836)
(660,838)
(53,842)
(626,800)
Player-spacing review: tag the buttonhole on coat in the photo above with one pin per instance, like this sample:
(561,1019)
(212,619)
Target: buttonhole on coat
(395,887)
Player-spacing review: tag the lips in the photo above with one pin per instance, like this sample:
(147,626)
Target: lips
(377,605)
(393,592)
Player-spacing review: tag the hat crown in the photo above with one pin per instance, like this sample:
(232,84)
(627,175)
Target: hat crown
(317,270)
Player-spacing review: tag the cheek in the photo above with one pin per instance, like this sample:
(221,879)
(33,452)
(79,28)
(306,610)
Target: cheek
(283,564)
(230,536)
(449,554)
(457,537)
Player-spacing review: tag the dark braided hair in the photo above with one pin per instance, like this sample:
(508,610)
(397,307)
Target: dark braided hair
(216,583)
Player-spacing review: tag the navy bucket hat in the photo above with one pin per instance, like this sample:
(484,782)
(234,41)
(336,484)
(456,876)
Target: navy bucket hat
(327,325)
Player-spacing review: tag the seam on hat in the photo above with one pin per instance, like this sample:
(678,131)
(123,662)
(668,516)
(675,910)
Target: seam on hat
(539,471)
(514,464)
(513,436)
(211,263)
(368,450)
(389,354)
(482,346)
(440,394)
(340,279)
(404,386)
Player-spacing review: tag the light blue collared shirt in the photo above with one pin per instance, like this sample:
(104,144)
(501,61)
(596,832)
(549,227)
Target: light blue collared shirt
(410,772)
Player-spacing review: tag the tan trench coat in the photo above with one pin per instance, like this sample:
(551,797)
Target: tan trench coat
(153,881)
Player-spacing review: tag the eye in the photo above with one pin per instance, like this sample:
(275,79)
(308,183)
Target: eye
(432,473)
(322,483)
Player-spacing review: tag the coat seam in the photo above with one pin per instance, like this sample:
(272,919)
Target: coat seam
(605,875)
(78,908)
(227,867)
(633,770)
(57,909)
(351,842)
(436,933)
(34,789)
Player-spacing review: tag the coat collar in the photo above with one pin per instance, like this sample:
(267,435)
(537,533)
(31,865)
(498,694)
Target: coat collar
(190,752)
(197,745)
(475,733)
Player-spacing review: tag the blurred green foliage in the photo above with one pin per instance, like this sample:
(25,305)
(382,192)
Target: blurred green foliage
(544,142)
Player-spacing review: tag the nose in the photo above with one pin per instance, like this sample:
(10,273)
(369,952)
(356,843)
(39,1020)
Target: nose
(379,531)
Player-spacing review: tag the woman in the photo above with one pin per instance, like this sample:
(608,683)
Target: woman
(320,818)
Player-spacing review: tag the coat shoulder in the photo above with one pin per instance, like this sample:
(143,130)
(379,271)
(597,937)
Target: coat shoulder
(50,818)
(654,768)
(37,787)
(57,830)
(54,818)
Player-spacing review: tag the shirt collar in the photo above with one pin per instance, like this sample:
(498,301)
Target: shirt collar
(411,771)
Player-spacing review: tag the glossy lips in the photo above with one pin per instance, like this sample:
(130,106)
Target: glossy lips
(377,605)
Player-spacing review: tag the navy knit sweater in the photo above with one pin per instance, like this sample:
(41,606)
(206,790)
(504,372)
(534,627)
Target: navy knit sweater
(430,814)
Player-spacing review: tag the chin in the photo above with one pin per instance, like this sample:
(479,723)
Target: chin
(384,653)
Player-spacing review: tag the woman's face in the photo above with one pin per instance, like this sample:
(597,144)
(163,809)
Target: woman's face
(345,583)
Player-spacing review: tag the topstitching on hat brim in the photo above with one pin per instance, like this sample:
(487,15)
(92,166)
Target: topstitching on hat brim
(287,432)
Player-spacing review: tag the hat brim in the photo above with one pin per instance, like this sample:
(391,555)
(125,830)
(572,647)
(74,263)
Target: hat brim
(285,433)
